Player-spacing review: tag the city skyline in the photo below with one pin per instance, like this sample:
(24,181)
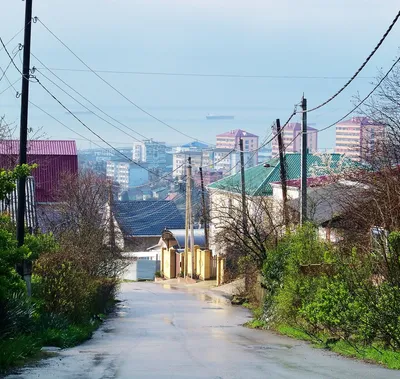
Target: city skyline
(193,37)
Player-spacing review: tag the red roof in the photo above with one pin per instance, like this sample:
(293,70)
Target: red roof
(40,147)
(237,133)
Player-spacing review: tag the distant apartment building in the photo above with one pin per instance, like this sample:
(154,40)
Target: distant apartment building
(151,152)
(357,137)
(292,139)
(199,152)
(180,162)
(230,140)
(228,161)
(126,174)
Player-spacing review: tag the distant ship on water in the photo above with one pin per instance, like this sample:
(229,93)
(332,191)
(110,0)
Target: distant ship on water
(219,117)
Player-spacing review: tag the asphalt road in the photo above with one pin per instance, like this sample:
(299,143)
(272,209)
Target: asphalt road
(164,333)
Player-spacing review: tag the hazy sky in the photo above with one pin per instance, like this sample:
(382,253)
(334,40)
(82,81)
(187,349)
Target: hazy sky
(300,38)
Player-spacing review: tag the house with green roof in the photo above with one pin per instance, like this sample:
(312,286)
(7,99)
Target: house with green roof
(225,194)
(258,179)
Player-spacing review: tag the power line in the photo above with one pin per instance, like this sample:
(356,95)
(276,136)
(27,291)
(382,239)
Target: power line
(10,84)
(360,68)
(117,90)
(1,48)
(355,107)
(89,110)
(9,56)
(8,66)
(201,75)
(365,98)
(91,141)
(93,132)
(85,98)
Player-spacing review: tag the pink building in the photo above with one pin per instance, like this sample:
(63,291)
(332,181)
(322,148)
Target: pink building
(292,140)
(230,140)
(357,137)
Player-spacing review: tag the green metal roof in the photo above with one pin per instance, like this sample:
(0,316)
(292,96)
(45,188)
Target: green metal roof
(258,179)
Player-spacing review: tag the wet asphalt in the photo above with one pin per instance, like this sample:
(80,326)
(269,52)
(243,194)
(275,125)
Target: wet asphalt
(160,332)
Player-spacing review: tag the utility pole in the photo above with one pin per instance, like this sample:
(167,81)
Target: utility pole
(25,270)
(204,205)
(111,220)
(282,162)
(304,152)
(191,222)
(243,184)
(187,214)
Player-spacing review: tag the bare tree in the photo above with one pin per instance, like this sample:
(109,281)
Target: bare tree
(251,239)
(80,222)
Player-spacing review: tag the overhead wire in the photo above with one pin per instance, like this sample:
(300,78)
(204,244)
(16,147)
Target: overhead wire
(201,75)
(7,43)
(86,99)
(7,67)
(116,89)
(359,69)
(36,80)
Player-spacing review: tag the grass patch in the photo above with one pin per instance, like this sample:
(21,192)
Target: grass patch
(295,333)
(72,336)
(376,354)
(16,351)
(373,354)
(256,324)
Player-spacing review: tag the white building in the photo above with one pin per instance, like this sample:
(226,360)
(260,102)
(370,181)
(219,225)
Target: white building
(228,161)
(180,162)
(127,174)
(151,152)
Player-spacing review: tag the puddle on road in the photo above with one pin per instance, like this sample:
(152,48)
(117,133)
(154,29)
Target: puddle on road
(214,308)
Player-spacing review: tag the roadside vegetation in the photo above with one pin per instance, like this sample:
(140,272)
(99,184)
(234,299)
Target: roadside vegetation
(342,295)
(75,273)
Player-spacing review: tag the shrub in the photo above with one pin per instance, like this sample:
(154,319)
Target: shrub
(63,286)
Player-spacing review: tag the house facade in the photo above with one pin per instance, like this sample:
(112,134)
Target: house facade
(260,186)
(55,159)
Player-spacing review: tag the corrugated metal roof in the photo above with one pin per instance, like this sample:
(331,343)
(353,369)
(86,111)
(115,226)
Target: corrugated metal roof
(179,236)
(258,179)
(147,217)
(40,147)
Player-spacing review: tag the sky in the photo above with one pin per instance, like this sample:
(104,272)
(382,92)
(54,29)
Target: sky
(303,46)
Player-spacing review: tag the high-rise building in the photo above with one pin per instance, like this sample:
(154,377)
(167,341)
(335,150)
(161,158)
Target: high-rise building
(180,161)
(358,136)
(292,141)
(151,152)
(127,174)
(231,140)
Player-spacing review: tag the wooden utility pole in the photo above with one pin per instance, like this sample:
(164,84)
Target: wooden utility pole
(204,205)
(25,270)
(304,152)
(187,214)
(243,186)
(111,220)
(191,222)
(282,162)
